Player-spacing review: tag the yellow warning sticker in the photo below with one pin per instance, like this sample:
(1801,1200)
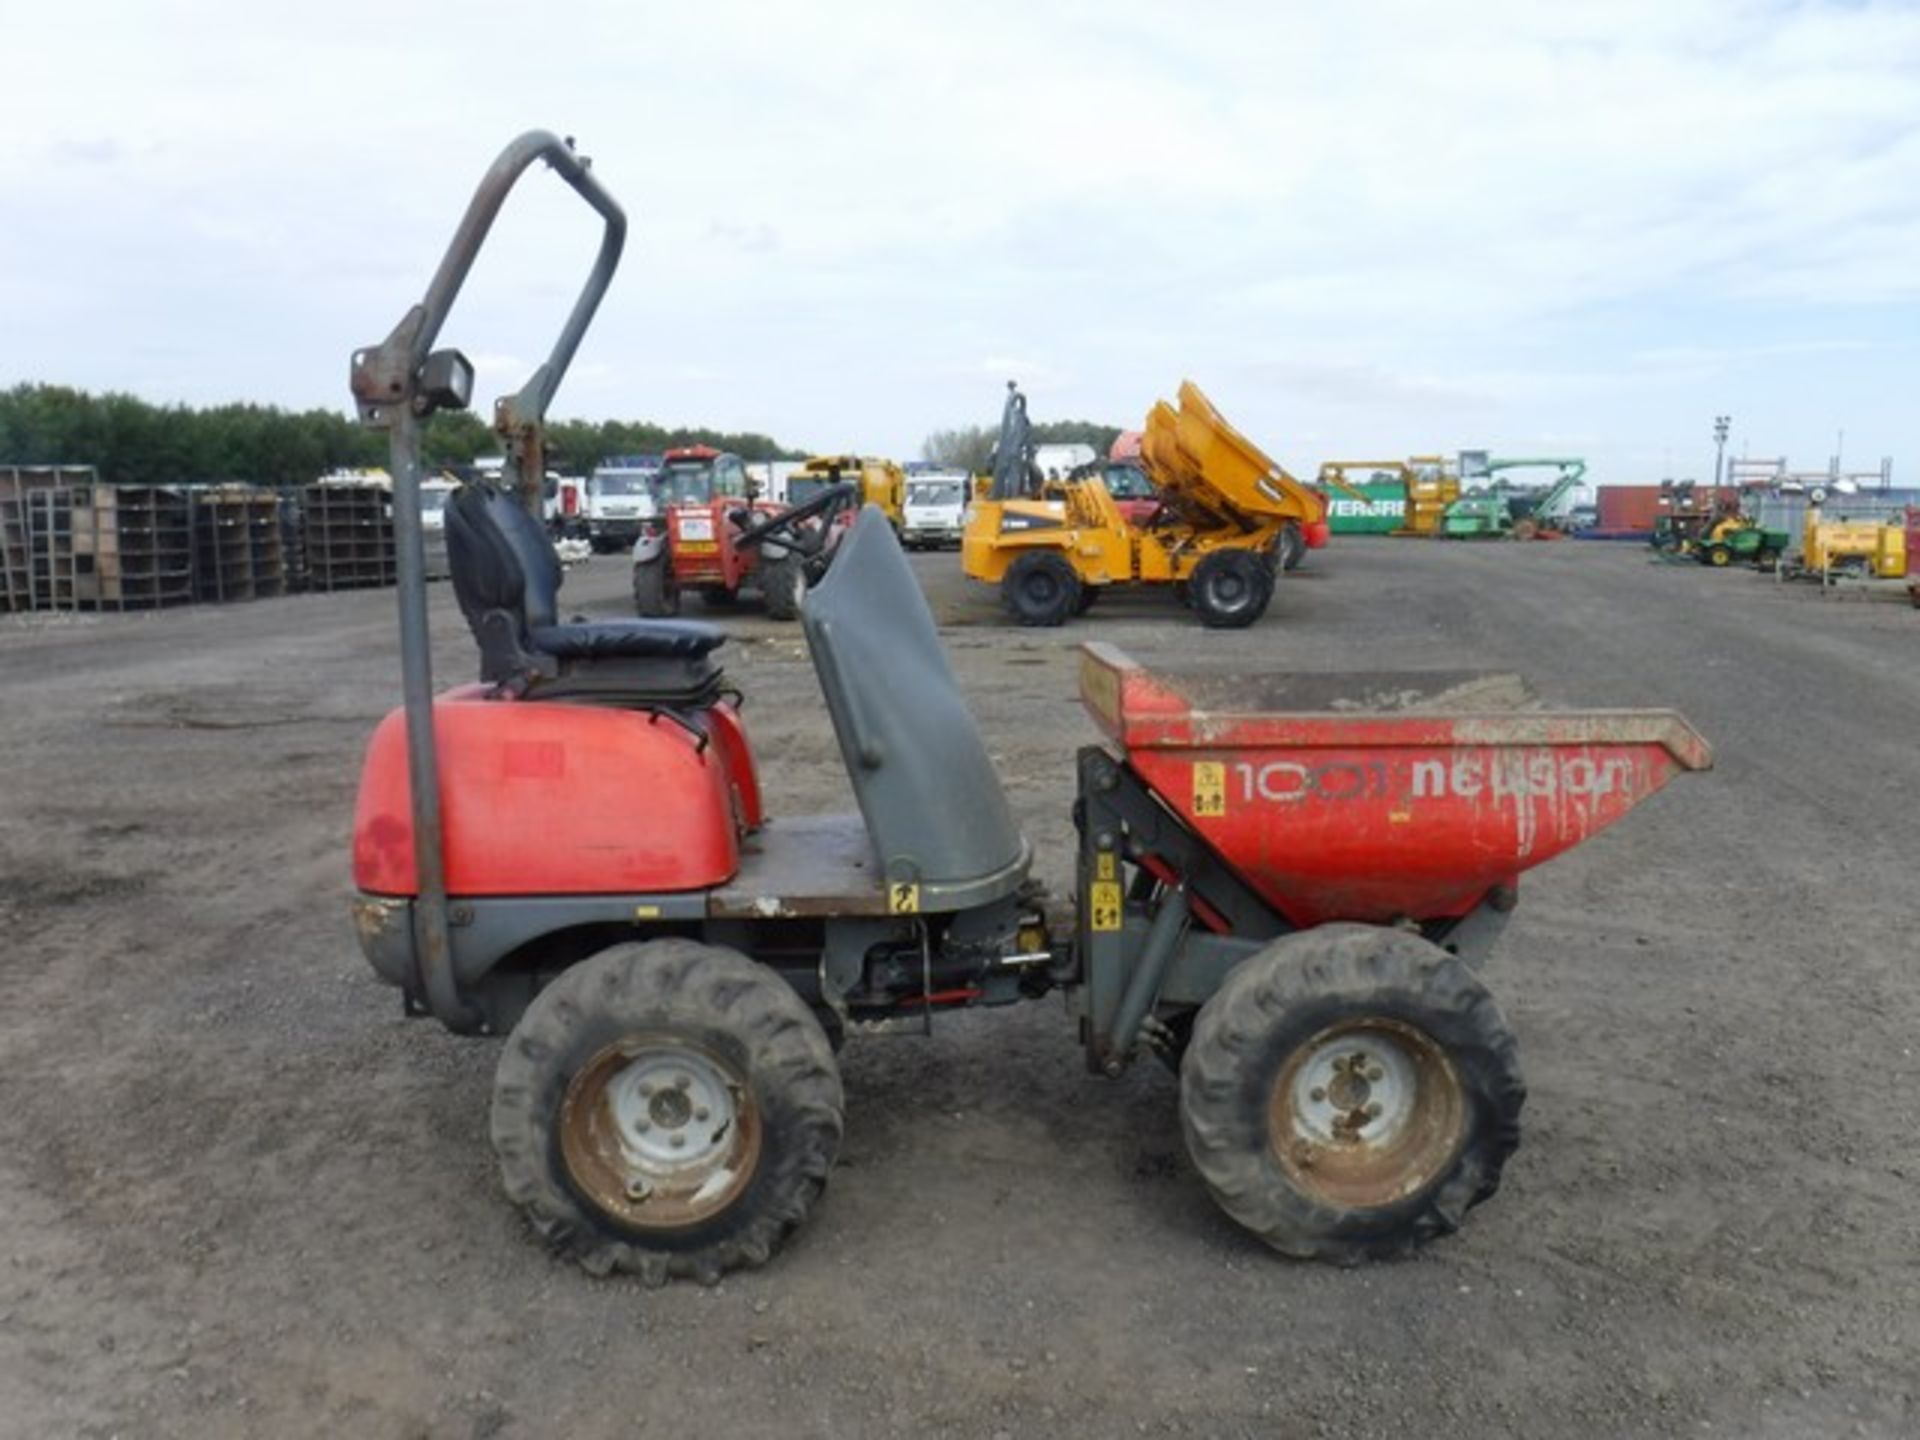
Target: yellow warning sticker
(1105,904)
(1209,788)
(1105,867)
(903,897)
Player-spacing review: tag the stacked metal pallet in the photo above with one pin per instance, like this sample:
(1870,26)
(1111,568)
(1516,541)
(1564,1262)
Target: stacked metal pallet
(26,571)
(16,570)
(237,547)
(349,535)
(116,547)
(293,540)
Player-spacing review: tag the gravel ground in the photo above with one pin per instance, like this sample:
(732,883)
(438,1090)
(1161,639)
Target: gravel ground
(239,1195)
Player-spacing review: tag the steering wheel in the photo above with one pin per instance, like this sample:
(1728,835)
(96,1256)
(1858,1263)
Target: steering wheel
(787,523)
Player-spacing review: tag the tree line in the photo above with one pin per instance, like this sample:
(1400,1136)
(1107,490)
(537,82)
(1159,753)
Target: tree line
(131,441)
(970,447)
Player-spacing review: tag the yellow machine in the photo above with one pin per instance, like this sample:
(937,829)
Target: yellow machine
(1872,547)
(1227,508)
(881,482)
(1431,488)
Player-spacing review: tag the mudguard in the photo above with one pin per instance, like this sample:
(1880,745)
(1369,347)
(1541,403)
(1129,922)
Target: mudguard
(551,798)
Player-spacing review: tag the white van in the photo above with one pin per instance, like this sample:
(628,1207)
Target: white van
(931,517)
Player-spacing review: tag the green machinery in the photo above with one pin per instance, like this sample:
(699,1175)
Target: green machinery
(1497,508)
(1740,539)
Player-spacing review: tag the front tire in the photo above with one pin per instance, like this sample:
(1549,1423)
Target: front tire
(667,1109)
(783,584)
(1350,1092)
(1040,588)
(654,592)
(1719,556)
(1230,589)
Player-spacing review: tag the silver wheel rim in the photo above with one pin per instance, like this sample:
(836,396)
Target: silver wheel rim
(672,1111)
(660,1134)
(1354,1085)
(1366,1113)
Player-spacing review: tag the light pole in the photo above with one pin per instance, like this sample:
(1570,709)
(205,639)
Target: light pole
(1721,424)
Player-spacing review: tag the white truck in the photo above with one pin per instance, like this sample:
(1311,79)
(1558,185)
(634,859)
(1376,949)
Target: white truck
(620,496)
(932,515)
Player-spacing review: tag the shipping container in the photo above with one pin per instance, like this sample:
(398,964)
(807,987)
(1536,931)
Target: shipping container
(1633,509)
(1627,509)
(1384,511)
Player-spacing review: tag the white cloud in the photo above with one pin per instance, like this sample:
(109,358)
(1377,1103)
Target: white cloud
(1362,226)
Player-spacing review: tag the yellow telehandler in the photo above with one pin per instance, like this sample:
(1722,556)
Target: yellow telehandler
(881,482)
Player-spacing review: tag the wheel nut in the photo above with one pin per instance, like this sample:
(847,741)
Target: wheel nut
(1376,1074)
(643,1126)
(1373,1111)
(677,1139)
(701,1113)
(1319,1094)
(681,1082)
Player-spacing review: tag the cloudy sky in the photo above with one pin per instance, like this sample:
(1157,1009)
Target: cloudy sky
(1366,229)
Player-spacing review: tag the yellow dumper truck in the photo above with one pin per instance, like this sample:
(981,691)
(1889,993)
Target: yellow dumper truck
(1219,533)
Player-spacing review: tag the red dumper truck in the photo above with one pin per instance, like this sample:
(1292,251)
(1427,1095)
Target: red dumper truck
(1283,886)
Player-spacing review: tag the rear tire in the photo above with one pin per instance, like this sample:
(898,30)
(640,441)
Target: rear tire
(667,1109)
(1230,589)
(718,597)
(1322,1035)
(654,592)
(783,584)
(1040,588)
(1291,548)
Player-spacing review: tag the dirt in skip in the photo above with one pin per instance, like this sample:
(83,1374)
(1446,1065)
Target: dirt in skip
(240,1195)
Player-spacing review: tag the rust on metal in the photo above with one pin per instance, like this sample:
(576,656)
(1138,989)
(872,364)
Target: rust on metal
(622,1139)
(374,916)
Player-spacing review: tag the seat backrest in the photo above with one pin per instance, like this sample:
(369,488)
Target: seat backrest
(923,778)
(505,576)
(500,556)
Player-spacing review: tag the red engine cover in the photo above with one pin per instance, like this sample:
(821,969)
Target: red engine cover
(542,798)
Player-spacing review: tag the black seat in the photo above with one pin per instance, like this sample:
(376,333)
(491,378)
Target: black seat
(507,579)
